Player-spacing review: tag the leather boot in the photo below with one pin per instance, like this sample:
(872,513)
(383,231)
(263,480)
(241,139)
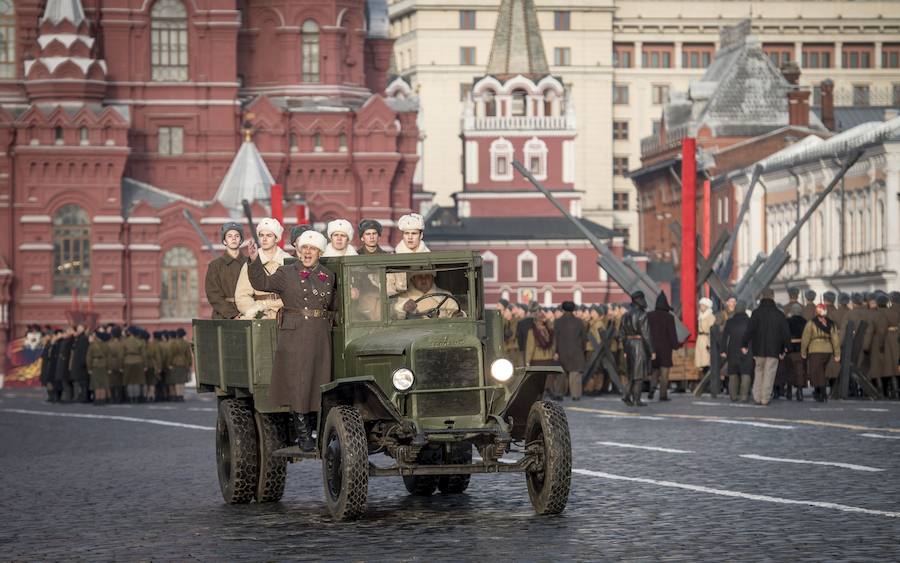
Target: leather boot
(304,434)
(626,395)
(636,394)
(800,394)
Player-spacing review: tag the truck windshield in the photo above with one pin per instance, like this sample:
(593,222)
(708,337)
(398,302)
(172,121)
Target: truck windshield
(365,294)
(440,293)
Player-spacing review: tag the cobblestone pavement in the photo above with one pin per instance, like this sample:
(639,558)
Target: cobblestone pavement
(708,481)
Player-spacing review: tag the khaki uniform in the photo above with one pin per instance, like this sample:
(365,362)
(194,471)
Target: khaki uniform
(133,362)
(154,362)
(818,348)
(116,361)
(251,302)
(97,363)
(880,323)
(892,341)
(448,308)
(221,282)
(179,362)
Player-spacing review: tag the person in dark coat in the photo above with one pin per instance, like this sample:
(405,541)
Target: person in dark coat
(48,364)
(523,328)
(571,338)
(768,335)
(303,353)
(222,273)
(665,340)
(78,366)
(739,364)
(634,334)
(62,377)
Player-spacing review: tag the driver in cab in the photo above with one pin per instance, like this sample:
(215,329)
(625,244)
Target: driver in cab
(423,298)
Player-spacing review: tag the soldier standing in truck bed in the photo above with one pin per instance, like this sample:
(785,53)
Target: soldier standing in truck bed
(223,272)
(303,353)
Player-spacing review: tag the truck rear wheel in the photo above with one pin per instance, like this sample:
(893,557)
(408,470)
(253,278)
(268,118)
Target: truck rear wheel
(345,463)
(237,453)
(547,437)
(456,484)
(272,430)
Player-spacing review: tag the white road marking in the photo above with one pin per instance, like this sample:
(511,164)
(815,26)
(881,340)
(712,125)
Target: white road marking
(650,448)
(874,410)
(202,409)
(161,408)
(641,417)
(750,423)
(867,435)
(852,466)
(737,494)
(730,405)
(113,417)
(825,409)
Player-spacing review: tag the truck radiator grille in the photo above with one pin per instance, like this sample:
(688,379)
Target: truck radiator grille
(447,369)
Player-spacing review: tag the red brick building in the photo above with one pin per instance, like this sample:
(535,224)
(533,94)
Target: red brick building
(518,111)
(118,116)
(742,110)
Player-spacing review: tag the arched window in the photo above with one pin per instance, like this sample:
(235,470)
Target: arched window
(490,104)
(501,160)
(527,266)
(179,296)
(489,266)
(536,158)
(519,103)
(549,96)
(169,41)
(71,251)
(7,39)
(566,266)
(310,51)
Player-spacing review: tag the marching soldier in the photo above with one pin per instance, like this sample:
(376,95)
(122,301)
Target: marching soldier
(340,233)
(255,304)
(370,234)
(809,310)
(412,227)
(115,363)
(223,272)
(179,365)
(98,366)
(133,376)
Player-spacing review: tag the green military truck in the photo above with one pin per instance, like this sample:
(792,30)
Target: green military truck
(426,389)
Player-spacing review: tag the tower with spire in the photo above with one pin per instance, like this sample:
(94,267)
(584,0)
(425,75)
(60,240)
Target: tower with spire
(518,111)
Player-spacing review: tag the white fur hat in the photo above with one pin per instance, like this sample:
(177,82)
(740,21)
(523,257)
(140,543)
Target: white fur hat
(411,222)
(311,238)
(270,225)
(340,226)
(706,301)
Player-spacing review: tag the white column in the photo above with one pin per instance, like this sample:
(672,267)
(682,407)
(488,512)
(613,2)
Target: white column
(838,54)
(678,50)
(877,62)
(798,52)
(638,55)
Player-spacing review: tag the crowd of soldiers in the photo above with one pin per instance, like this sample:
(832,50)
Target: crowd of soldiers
(777,351)
(112,365)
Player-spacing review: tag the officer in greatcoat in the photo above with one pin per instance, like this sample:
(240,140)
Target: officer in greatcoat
(370,235)
(303,353)
(634,334)
(223,272)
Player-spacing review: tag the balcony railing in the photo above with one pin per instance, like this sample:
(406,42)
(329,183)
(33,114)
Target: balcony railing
(525,122)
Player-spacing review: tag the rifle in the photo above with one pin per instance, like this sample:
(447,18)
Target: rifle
(249,215)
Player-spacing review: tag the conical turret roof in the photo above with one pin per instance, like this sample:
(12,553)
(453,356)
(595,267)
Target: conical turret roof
(248,178)
(58,11)
(517,47)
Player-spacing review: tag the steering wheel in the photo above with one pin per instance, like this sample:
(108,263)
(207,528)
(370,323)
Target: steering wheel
(431,312)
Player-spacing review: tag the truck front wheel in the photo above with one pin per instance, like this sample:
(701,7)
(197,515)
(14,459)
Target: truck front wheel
(456,454)
(547,439)
(237,454)
(345,463)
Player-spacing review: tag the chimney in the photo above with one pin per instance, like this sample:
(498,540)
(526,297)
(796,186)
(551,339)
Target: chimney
(798,100)
(827,90)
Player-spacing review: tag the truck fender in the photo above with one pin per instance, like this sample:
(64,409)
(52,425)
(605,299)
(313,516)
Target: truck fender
(359,392)
(529,391)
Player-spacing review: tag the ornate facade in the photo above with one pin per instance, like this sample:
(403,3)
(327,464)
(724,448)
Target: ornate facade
(118,117)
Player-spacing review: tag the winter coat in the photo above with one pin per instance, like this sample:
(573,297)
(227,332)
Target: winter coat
(767,333)
(221,282)
(738,362)
(662,333)
(78,361)
(817,341)
(570,336)
(251,301)
(634,333)
(704,327)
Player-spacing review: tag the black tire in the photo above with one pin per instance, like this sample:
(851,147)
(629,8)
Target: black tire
(272,434)
(424,485)
(547,433)
(456,484)
(345,463)
(237,452)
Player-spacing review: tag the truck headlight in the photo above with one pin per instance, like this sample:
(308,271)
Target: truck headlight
(403,379)
(502,370)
